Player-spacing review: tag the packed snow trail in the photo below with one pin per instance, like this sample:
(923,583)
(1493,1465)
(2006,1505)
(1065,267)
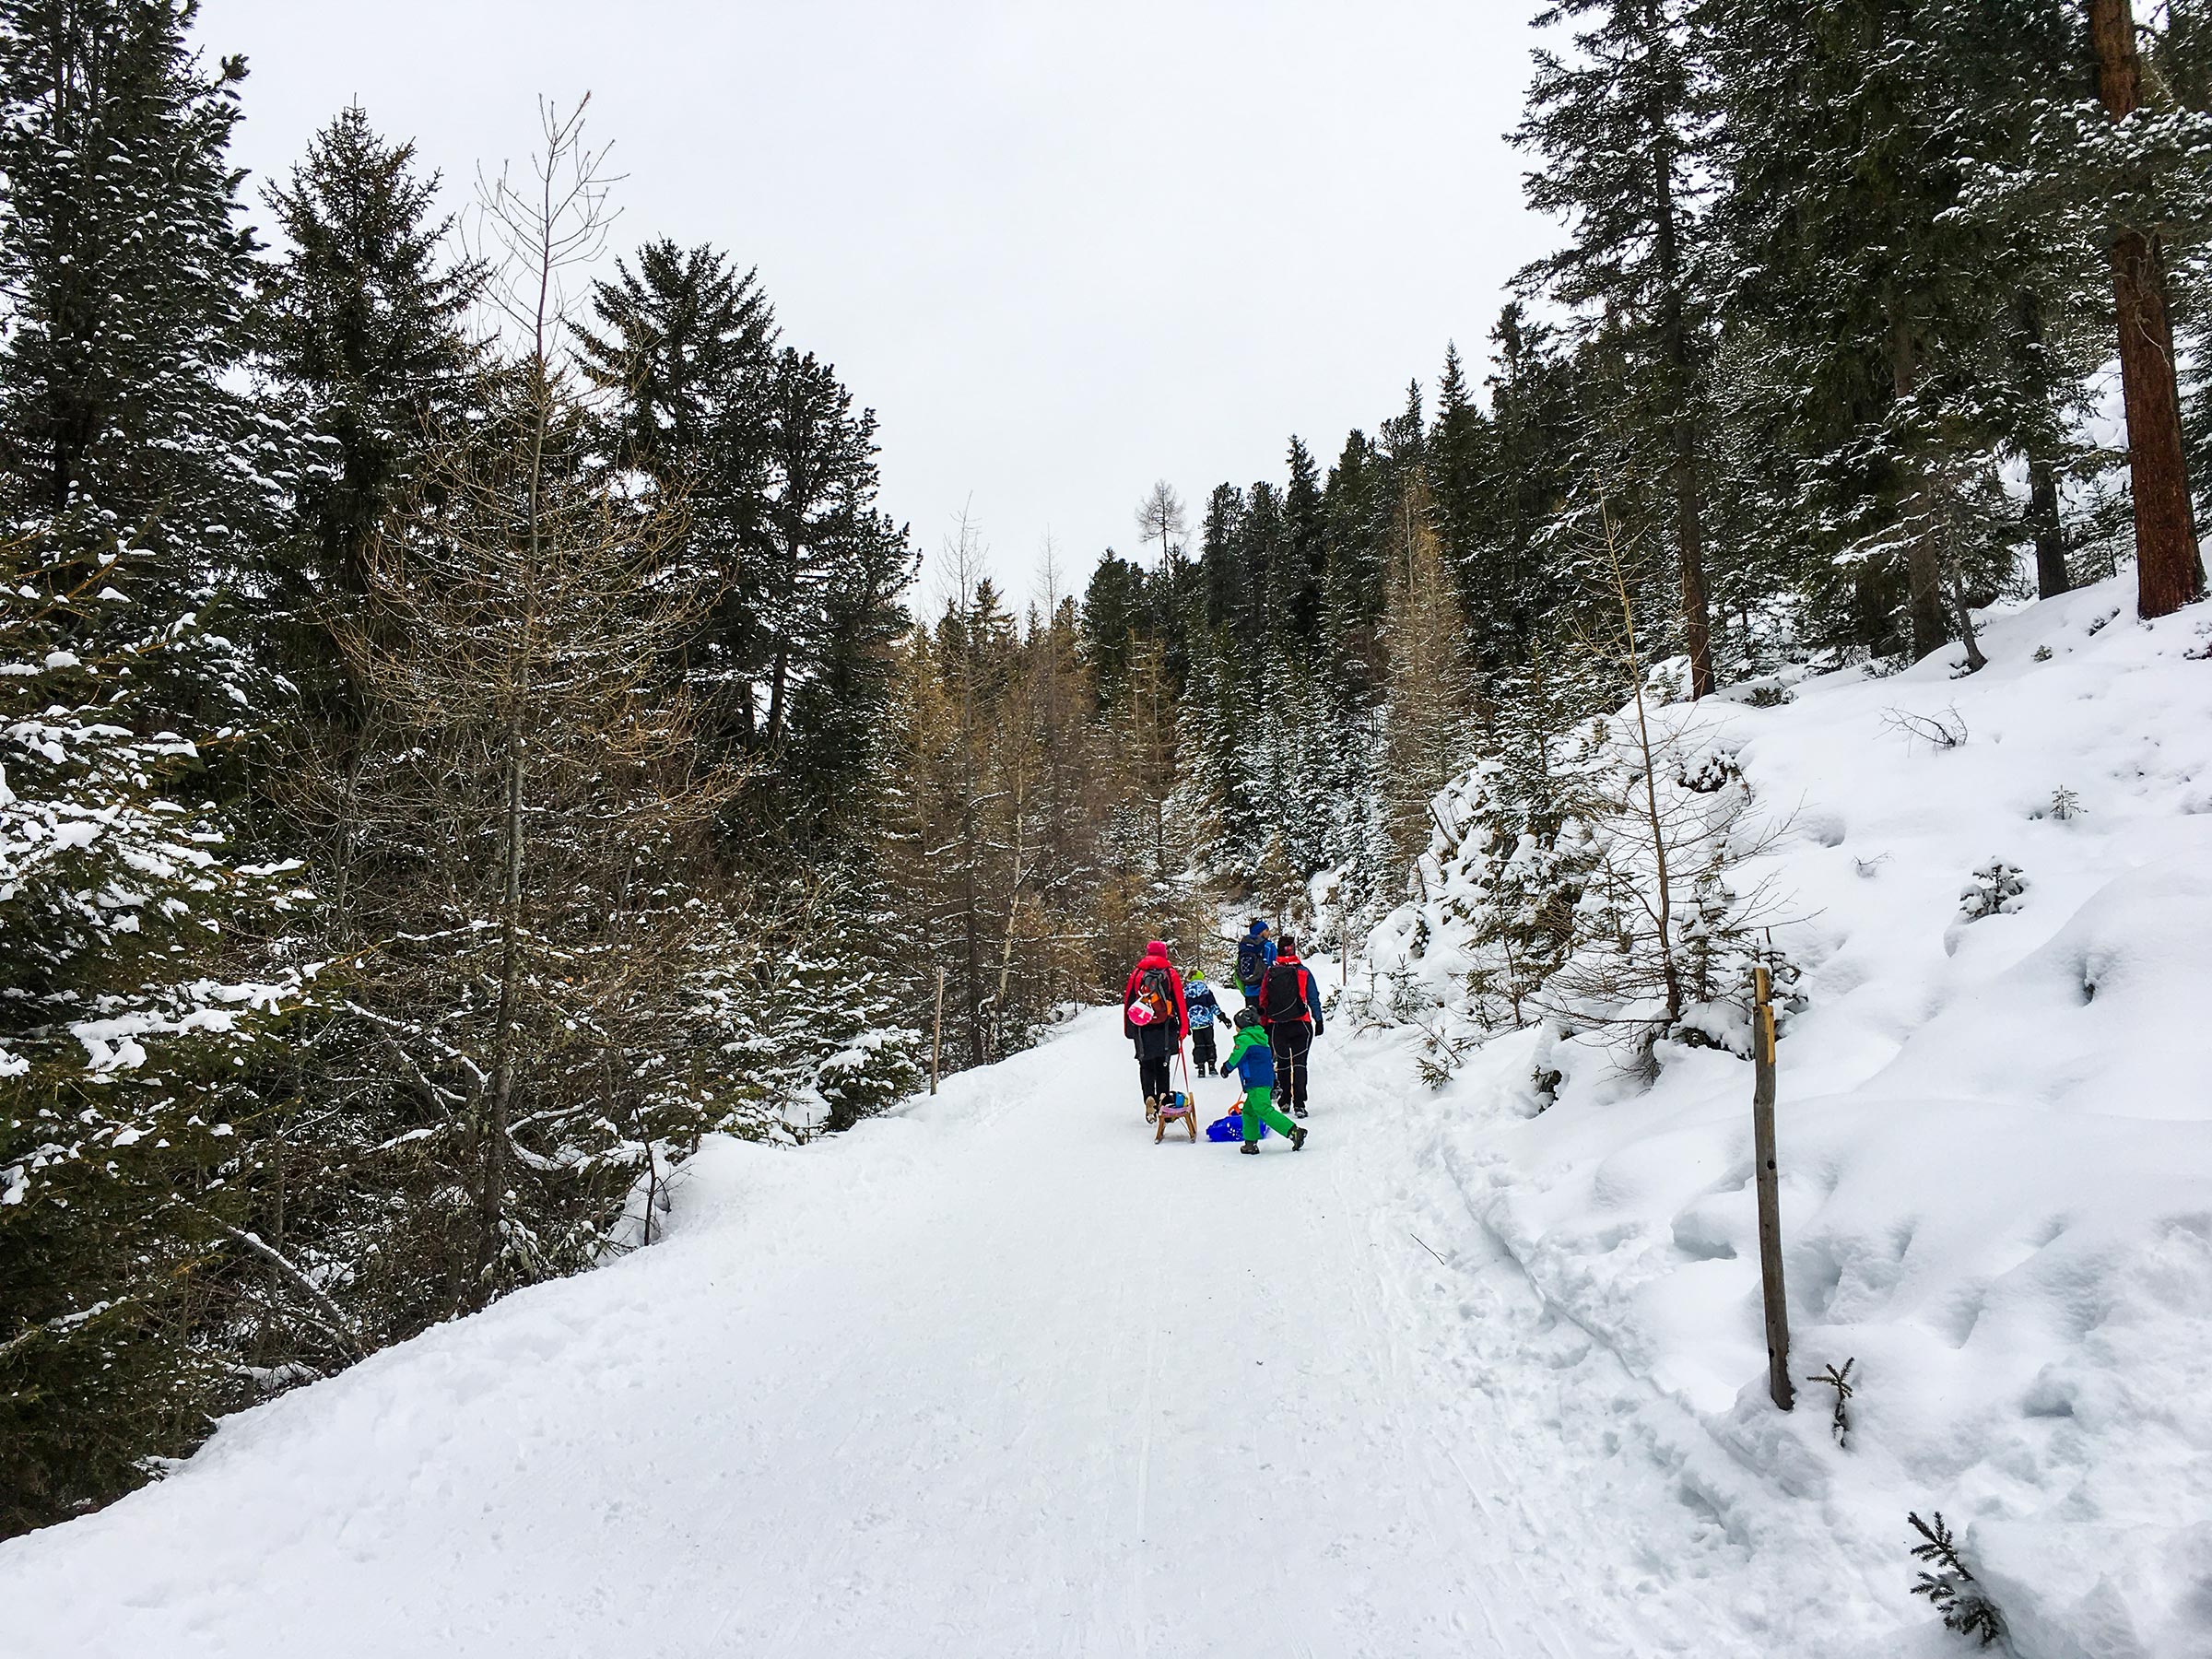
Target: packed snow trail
(997,1376)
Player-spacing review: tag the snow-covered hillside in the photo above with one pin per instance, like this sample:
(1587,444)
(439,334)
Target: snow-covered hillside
(997,1376)
(1995,1137)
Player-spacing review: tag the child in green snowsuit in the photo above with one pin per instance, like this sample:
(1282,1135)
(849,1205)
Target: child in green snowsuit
(1253,1062)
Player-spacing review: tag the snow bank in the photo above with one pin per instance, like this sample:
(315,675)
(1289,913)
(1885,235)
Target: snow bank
(1996,1137)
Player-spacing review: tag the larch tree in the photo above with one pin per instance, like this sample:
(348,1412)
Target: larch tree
(532,788)
(1430,706)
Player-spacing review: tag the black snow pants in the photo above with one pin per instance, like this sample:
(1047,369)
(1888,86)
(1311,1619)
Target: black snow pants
(1202,1048)
(1292,1041)
(1152,1074)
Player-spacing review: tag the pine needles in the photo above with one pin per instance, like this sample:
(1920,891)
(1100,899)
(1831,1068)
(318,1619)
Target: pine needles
(1841,1382)
(1952,1589)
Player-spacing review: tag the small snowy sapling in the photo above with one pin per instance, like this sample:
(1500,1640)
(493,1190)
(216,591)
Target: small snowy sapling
(1841,1382)
(2065,806)
(1952,1590)
(1995,890)
(1548,1079)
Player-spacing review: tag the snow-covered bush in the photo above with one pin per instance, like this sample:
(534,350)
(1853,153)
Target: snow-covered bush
(1996,889)
(800,997)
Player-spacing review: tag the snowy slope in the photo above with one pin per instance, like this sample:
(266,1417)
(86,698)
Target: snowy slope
(1995,1139)
(996,1377)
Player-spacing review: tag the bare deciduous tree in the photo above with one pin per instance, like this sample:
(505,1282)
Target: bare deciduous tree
(1160,519)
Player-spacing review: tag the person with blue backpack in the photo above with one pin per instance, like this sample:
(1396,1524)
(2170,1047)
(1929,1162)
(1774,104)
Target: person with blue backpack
(1253,1062)
(1255,954)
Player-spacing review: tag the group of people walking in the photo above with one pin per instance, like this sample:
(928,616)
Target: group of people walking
(1275,1031)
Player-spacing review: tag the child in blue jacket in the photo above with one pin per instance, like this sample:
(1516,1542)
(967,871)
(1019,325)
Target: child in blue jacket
(1198,998)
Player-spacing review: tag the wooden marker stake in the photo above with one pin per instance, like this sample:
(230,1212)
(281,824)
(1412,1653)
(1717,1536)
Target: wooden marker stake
(1769,1197)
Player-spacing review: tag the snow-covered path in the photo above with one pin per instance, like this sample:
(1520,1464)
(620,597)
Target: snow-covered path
(999,1377)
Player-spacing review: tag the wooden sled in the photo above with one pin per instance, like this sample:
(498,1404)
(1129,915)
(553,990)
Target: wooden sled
(1188,1111)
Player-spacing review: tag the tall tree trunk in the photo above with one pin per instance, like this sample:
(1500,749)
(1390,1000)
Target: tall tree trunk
(972,941)
(2051,578)
(1690,530)
(2044,521)
(498,1112)
(491,1169)
(2169,573)
(1975,661)
(1923,562)
(779,679)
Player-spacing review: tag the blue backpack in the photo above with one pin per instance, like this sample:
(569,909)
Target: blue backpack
(1250,960)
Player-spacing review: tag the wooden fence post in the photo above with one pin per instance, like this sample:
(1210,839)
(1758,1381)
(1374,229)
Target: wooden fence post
(1769,1197)
(936,1033)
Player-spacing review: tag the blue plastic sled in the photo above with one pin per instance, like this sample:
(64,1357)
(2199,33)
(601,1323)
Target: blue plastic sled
(1229,1128)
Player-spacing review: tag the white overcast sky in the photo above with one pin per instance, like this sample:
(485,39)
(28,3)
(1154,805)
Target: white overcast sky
(1063,247)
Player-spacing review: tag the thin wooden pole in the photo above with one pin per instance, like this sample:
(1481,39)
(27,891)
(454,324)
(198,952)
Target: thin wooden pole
(1769,1197)
(936,1033)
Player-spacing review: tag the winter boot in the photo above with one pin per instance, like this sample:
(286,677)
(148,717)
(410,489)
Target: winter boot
(1151,1109)
(1299,1109)
(1298,1138)
(1251,1148)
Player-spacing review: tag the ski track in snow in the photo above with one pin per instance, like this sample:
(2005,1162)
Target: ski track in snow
(997,1377)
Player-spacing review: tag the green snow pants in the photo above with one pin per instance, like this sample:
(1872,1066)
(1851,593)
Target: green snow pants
(1259,1108)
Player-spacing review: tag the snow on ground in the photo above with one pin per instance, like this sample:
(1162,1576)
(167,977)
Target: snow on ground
(999,1376)
(1995,1142)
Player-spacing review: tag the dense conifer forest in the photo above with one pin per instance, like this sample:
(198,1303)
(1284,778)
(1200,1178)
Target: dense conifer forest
(463,746)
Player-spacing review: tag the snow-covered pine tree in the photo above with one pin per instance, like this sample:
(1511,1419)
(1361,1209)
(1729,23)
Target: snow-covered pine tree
(1529,469)
(1622,126)
(135,488)
(126,1262)
(1884,315)
(364,335)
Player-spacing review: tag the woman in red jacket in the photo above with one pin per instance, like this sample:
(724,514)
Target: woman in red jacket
(1155,1020)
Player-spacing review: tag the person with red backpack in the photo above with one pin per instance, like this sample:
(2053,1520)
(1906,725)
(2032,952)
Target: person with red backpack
(1291,1009)
(1155,1017)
